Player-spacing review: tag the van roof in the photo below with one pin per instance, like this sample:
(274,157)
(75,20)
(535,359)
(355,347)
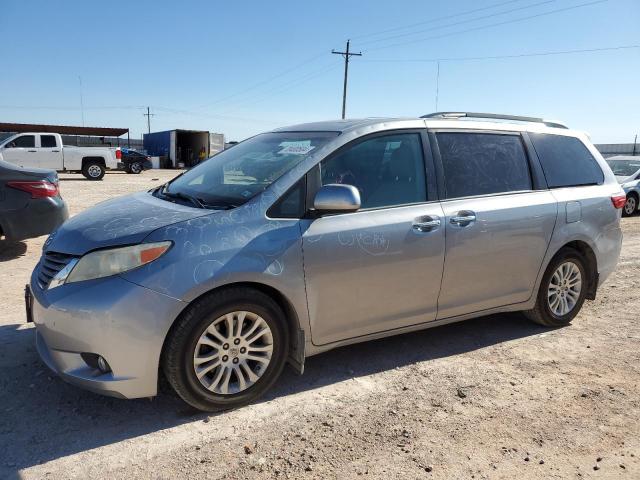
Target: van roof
(460,120)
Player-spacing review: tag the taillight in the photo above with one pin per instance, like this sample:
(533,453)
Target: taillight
(118,154)
(619,201)
(41,189)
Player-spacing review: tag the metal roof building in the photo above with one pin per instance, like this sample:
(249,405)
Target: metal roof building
(610,149)
(63,129)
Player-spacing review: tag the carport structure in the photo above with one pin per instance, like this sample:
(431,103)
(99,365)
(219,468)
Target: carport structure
(66,130)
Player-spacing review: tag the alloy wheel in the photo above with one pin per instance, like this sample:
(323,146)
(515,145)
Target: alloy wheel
(630,205)
(233,352)
(564,288)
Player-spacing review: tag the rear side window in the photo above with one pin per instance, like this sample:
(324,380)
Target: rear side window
(47,141)
(483,163)
(566,161)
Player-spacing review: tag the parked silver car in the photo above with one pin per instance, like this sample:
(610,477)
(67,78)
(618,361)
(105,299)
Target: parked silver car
(626,168)
(314,236)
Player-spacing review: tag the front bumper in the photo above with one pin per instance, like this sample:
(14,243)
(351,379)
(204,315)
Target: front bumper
(121,321)
(39,217)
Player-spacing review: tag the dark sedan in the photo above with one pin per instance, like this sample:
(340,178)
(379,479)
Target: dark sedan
(30,202)
(133,161)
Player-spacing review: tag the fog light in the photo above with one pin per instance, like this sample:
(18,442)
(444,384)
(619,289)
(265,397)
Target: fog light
(103,366)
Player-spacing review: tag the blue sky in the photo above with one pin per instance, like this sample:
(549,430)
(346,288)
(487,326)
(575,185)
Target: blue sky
(243,67)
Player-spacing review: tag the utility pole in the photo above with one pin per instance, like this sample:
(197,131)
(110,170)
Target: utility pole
(346,54)
(81,100)
(437,85)
(148,115)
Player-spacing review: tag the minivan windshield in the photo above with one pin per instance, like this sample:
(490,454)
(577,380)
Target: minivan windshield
(624,168)
(237,174)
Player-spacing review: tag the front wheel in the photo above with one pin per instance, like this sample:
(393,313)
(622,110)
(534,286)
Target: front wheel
(562,291)
(226,350)
(630,206)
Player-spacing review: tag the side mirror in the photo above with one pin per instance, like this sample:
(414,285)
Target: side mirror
(337,198)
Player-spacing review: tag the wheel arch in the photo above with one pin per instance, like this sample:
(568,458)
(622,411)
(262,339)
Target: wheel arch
(100,160)
(592,264)
(296,333)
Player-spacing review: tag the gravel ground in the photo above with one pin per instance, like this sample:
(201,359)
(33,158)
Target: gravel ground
(495,397)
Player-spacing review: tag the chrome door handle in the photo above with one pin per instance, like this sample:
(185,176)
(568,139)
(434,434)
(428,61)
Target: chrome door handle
(463,219)
(426,224)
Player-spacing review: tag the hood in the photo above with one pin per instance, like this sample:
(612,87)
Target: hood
(122,221)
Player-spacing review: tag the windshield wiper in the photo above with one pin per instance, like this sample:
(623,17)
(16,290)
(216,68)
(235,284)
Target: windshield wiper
(226,206)
(183,196)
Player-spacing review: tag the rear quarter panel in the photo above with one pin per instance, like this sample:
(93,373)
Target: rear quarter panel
(587,214)
(73,156)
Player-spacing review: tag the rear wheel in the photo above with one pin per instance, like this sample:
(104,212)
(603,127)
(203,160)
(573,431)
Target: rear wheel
(630,206)
(93,170)
(136,168)
(562,290)
(227,349)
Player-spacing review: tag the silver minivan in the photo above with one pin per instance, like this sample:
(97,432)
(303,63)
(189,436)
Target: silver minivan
(314,236)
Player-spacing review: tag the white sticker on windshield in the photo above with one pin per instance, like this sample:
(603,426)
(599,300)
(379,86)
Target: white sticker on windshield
(296,148)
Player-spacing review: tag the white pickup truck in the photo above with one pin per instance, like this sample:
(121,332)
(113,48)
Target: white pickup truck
(45,150)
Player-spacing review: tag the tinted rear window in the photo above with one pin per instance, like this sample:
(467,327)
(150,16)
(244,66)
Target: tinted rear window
(566,161)
(483,163)
(47,141)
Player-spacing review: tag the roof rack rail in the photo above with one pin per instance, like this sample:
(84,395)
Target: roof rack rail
(496,116)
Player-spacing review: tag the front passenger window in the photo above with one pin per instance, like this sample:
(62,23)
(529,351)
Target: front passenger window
(387,170)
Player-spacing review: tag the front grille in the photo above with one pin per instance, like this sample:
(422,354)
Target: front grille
(50,264)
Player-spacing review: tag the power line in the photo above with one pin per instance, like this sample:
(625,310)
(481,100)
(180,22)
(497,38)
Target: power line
(53,107)
(491,25)
(433,20)
(315,57)
(263,82)
(475,19)
(283,88)
(346,55)
(498,57)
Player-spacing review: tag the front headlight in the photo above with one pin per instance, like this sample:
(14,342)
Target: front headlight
(103,263)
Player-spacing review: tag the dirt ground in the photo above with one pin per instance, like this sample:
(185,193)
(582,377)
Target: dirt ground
(496,397)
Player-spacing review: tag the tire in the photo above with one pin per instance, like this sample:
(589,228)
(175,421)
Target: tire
(630,206)
(183,343)
(93,170)
(543,313)
(135,168)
